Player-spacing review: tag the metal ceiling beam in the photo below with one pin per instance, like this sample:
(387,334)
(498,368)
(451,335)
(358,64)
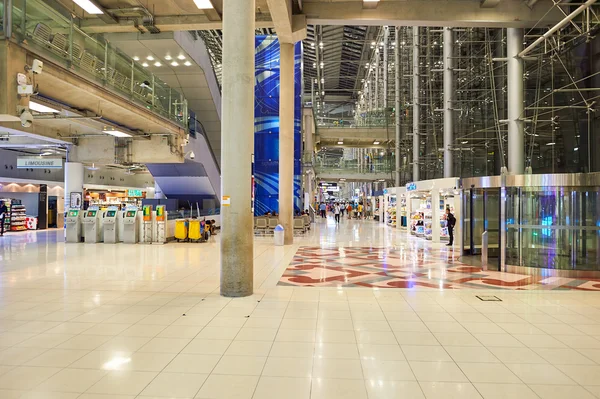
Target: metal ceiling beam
(290,28)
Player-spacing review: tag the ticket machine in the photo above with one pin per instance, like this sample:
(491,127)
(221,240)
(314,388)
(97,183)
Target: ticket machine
(147,227)
(160,229)
(130,226)
(91,225)
(74,217)
(112,218)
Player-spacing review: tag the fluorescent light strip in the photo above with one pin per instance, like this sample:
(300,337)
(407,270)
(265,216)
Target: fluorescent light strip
(204,4)
(88,7)
(116,133)
(41,108)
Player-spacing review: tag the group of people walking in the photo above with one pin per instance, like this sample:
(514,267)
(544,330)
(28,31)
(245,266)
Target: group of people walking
(353,210)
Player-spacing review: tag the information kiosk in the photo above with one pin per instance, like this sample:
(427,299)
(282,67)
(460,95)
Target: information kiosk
(160,230)
(147,224)
(112,218)
(130,226)
(74,225)
(91,224)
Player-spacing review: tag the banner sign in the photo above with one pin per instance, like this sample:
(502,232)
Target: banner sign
(39,163)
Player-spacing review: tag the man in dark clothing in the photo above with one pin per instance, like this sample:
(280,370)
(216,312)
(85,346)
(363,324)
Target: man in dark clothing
(450,222)
(3,214)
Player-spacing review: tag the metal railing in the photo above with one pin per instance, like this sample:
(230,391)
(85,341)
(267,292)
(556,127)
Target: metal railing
(45,31)
(353,166)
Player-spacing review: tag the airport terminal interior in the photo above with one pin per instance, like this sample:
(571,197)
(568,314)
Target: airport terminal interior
(299,199)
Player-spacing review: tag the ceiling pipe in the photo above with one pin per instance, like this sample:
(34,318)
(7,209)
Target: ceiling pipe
(557,27)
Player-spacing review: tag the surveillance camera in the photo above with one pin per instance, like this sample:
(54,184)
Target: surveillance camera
(26,118)
(192,155)
(37,67)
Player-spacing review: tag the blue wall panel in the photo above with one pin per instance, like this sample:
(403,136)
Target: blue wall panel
(266,125)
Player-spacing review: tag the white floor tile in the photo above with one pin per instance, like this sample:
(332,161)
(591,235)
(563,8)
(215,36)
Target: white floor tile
(505,391)
(338,389)
(71,380)
(282,387)
(437,371)
(561,392)
(288,367)
(175,385)
(394,389)
(240,365)
(449,390)
(228,387)
(337,368)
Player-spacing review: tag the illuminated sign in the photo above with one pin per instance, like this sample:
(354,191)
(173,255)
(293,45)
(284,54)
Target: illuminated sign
(134,193)
(411,187)
(39,163)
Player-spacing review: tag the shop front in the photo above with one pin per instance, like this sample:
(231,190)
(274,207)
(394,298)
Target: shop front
(426,204)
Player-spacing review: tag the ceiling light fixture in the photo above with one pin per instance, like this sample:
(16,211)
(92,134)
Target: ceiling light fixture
(181,57)
(136,58)
(89,7)
(43,154)
(174,63)
(187,63)
(553,143)
(145,65)
(168,57)
(41,108)
(150,58)
(376,143)
(203,4)
(116,133)
(157,64)
(340,142)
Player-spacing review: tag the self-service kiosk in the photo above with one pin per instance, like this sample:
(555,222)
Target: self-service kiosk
(147,224)
(112,218)
(91,224)
(130,226)
(160,229)
(74,217)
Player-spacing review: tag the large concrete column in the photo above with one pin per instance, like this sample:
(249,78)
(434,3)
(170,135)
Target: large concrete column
(237,145)
(74,173)
(397,102)
(286,141)
(516,135)
(416,111)
(448,102)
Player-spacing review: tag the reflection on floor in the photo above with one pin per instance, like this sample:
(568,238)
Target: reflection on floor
(86,321)
(406,267)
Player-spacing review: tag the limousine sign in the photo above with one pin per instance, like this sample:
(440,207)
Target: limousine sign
(39,163)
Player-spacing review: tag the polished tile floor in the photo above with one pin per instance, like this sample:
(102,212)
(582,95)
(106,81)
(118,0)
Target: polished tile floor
(122,321)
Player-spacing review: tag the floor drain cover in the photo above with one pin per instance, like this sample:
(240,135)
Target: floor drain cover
(488,298)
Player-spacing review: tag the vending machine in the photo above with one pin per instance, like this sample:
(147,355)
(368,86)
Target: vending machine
(112,218)
(147,224)
(74,225)
(91,225)
(160,230)
(131,226)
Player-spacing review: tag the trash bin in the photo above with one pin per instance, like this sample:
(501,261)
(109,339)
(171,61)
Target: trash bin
(278,235)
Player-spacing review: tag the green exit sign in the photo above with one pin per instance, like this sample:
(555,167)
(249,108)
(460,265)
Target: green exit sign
(134,193)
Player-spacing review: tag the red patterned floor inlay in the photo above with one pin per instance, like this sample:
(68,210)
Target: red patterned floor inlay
(408,268)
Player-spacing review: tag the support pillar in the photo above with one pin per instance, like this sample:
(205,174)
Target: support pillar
(286,141)
(397,102)
(237,143)
(516,135)
(74,173)
(448,102)
(386,35)
(416,113)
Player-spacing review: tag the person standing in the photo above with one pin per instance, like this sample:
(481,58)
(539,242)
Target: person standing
(450,223)
(3,214)
(368,211)
(359,211)
(336,212)
(323,209)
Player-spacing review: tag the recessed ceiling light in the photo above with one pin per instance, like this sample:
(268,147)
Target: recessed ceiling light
(181,57)
(175,63)
(203,4)
(88,6)
(145,65)
(168,58)
(136,58)
(150,58)
(116,133)
(340,142)
(187,63)
(157,64)
(464,142)
(37,107)
(551,143)
(376,143)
